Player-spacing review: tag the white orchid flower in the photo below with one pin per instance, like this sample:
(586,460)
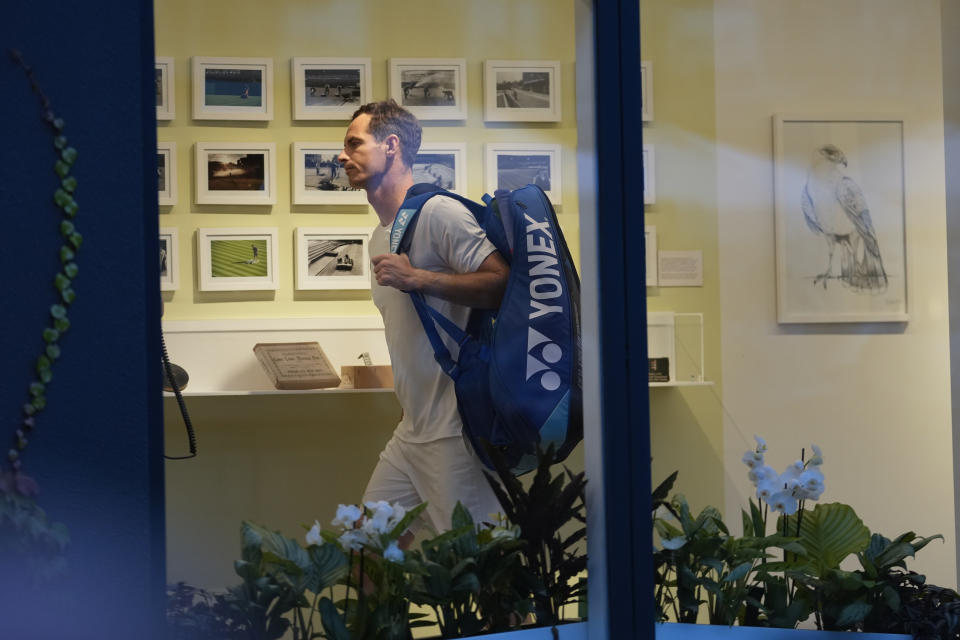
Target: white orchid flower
(354,539)
(793,471)
(817,458)
(313,536)
(393,553)
(784,502)
(766,489)
(761,444)
(380,514)
(347,516)
(764,473)
(752,459)
(811,483)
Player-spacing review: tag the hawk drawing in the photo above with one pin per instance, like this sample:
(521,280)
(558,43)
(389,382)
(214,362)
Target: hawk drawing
(834,207)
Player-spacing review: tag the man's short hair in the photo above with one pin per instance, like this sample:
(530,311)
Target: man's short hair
(387,117)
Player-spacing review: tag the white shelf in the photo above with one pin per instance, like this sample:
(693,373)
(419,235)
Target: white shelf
(271,392)
(680,384)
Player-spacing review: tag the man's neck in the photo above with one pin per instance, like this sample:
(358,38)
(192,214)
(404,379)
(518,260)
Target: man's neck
(386,196)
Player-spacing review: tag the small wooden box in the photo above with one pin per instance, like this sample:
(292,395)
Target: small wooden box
(363,377)
(296,365)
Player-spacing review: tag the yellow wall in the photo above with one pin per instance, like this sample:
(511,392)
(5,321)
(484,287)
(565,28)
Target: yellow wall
(476,31)
(686,424)
(286,460)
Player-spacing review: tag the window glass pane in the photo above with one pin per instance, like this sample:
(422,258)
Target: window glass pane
(796,183)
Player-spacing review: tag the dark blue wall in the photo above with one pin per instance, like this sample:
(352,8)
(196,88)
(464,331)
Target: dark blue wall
(96,452)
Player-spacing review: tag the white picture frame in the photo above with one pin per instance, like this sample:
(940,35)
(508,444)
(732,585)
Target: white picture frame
(232,88)
(510,165)
(232,259)
(522,91)
(430,88)
(646,91)
(165,94)
(840,178)
(166,173)
(236,173)
(316,176)
(169,259)
(332,258)
(443,164)
(329,88)
(650,254)
(649,174)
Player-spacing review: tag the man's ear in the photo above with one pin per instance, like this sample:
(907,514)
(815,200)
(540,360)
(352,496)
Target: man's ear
(392,144)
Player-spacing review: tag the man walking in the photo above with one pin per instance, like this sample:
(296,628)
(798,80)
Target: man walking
(455,267)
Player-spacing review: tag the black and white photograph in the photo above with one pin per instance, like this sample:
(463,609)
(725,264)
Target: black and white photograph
(514,165)
(840,220)
(163,87)
(441,164)
(522,90)
(329,88)
(430,88)
(319,178)
(169,272)
(332,258)
(237,259)
(236,173)
(166,173)
(232,88)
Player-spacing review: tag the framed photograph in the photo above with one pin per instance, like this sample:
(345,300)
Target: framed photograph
(430,88)
(232,88)
(238,259)
(318,177)
(840,219)
(649,174)
(650,254)
(329,88)
(236,173)
(511,165)
(443,164)
(167,173)
(163,79)
(169,259)
(646,90)
(521,91)
(333,258)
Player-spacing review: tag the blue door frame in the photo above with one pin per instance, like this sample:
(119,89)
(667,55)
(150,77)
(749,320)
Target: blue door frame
(98,445)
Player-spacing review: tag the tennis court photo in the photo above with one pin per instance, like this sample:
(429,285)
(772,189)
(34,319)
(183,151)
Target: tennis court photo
(239,258)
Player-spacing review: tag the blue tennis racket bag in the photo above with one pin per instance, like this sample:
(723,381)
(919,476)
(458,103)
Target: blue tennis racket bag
(518,375)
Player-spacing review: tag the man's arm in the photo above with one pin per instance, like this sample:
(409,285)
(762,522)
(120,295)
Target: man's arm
(482,288)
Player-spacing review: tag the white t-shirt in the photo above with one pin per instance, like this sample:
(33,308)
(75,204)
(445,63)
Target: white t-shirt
(446,239)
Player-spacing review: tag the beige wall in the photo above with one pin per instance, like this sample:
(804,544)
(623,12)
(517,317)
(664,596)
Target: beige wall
(686,424)
(876,397)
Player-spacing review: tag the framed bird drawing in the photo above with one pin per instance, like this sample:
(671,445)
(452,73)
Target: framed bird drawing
(840,220)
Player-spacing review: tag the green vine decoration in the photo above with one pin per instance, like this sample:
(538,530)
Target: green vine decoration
(59,323)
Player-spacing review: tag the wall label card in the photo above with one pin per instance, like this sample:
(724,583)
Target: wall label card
(681,268)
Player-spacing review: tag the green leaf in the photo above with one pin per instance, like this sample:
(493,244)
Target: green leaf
(68,295)
(853,613)
(71,270)
(332,621)
(61,324)
(53,351)
(69,155)
(50,335)
(829,533)
(75,239)
(66,228)
(69,183)
(663,490)
(61,168)
(71,208)
(61,282)
(60,142)
(738,572)
(66,254)
(328,564)
(37,389)
(62,198)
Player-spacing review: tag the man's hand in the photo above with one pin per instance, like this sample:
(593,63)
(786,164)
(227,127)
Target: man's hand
(394,270)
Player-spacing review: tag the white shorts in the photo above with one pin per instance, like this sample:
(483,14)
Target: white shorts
(439,473)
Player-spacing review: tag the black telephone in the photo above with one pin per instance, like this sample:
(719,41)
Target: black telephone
(174,379)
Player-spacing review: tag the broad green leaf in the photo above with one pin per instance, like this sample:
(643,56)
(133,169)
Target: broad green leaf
(853,613)
(829,533)
(662,491)
(738,572)
(332,622)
